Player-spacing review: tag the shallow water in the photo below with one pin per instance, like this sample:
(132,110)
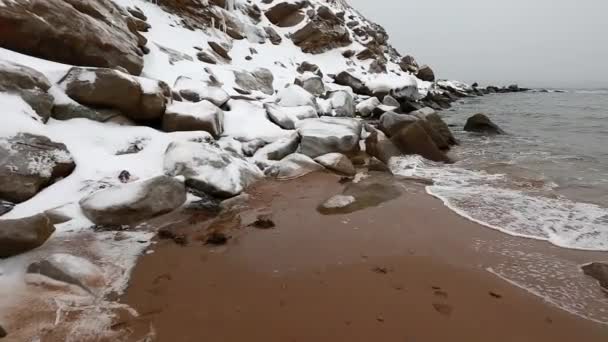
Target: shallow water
(546,179)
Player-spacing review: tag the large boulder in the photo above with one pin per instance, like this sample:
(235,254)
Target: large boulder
(22,235)
(346,79)
(194,91)
(365,108)
(259,80)
(325,31)
(293,166)
(311,83)
(134,202)
(295,96)
(28,163)
(198,116)
(414,139)
(342,104)
(598,271)
(379,146)
(138,98)
(29,84)
(480,123)
(437,124)
(338,163)
(391,123)
(279,149)
(425,73)
(327,135)
(287,117)
(98,33)
(409,64)
(287,14)
(210,169)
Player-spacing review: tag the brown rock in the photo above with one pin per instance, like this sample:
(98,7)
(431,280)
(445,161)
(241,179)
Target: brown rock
(599,271)
(480,123)
(379,146)
(286,14)
(322,33)
(425,73)
(22,235)
(414,139)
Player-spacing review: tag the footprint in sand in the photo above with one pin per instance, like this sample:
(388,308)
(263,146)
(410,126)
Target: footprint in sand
(443,309)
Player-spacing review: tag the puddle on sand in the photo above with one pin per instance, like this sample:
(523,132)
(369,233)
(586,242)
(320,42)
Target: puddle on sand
(370,192)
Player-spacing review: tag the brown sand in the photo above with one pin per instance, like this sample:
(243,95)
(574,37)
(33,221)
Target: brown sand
(407,270)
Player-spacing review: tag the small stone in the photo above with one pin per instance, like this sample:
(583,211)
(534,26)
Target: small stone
(264,222)
(217,239)
(2,332)
(124,176)
(168,234)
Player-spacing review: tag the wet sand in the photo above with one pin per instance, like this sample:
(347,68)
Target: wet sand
(406,270)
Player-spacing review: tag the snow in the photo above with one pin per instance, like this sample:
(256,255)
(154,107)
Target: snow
(295,96)
(18,117)
(214,94)
(287,117)
(116,196)
(248,120)
(203,110)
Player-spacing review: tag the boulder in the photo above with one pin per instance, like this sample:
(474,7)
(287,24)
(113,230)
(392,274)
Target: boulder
(5,207)
(273,35)
(295,96)
(409,64)
(249,148)
(309,67)
(139,99)
(279,149)
(29,163)
(437,123)
(22,235)
(194,91)
(286,14)
(73,110)
(327,135)
(346,79)
(390,101)
(414,139)
(391,122)
(598,271)
(98,33)
(198,116)
(69,269)
(323,32)
(311,83)
(366,107)
(293,166)
(379,146)
(210,169)
(259,80)
(342,104)
(287,117)
(220,50)
(338,163)
(480,123)
(134,202)
(425,73)
(28,84)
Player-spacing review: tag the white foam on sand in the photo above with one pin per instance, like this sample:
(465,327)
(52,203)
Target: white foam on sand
(491,201)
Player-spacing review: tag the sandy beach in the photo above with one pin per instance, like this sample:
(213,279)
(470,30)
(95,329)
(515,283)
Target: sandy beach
(407,269)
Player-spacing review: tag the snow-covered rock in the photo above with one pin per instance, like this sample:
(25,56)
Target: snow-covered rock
(327,135)
(279,149)
(287,117)
(342,104)
(311,83)
(295,96)
(248,120)
(338,163)
(293,166)
(366,107)
(391,122)
(134,202)
(31,85)
(69,269)
(260,80)
(198,116)
(210,169)
(195,91)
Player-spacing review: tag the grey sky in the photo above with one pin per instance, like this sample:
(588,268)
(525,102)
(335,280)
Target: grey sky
(539,43)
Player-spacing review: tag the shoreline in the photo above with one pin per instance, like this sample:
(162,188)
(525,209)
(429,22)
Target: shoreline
(307,267)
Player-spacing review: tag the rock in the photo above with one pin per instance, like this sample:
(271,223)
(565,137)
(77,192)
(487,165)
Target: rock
(309,67)
(5,207)
(98,33)
(480,123)
(28,84)
(391,123)
(287,117)
(338,202)
(295,96)
(409,64)
(68,111)
(286,14)
(346,79)
(259,80)
(311,83)
(206,57)
(338,163)
(264,222)
(273,36)
(29,163)
(342,104)
(198,116)
(414,139)
(210,169)
(293,166)
(366,107)
(134,202)
(251,147)
(3,332)
(22,235)
(437,123)
(279,149)
(425,73)
(194,91)
(379,146)
(599,271)
(71,270)
(138,98)
(327,135)
(219,50)
(323,32)
(390,101)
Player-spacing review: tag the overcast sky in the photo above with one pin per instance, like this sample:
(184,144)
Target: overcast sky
(536,43)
